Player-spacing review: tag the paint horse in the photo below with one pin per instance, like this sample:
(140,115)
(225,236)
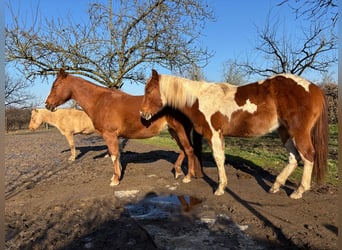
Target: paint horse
(288,103)
(69,122)
(116,114)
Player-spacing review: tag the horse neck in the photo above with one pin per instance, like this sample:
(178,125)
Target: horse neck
(85,93)
(48,117)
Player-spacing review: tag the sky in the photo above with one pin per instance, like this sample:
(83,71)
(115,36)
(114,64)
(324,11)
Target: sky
(232,36)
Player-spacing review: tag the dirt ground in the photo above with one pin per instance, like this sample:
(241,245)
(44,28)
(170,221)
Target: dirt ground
(51,203)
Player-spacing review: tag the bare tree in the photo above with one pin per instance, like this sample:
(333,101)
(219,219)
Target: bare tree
(314,9)
(233,73)
(194,73)
(16,93)
(117,43)
(314,49)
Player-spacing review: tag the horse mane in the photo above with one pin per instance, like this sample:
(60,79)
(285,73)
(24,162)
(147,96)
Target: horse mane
(96,85)
(179,92)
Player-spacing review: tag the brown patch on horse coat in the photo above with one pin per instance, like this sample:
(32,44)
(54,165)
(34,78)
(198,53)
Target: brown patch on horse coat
(255,116)
(198,118)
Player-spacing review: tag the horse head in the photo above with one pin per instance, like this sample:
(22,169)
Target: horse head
(152,101)
(35,121)
(60,91)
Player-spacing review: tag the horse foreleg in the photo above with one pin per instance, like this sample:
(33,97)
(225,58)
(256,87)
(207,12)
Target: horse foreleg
(113,149)
(217,145)
(115,180)
(70,139)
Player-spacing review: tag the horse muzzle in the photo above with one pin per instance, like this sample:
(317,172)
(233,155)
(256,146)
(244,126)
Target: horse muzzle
(50,107)
(146,115)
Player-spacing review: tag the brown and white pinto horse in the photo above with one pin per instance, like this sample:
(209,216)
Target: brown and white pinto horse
(116,114)
(294,106)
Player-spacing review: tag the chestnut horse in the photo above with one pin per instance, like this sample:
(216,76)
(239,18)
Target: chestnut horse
(116,114)
(293,105)
(69,122)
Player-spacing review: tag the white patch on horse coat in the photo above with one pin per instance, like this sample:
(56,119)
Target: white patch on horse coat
(249,107)
(113,157)
(299,80)
(220,98)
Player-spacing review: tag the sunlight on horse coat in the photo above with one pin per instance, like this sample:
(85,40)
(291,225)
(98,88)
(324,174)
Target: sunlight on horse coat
(116,114)
(288,103)
(68,121)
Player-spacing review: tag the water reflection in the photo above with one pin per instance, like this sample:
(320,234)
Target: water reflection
(162,207)
(188,202)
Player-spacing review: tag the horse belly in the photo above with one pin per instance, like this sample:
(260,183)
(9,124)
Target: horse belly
(142,131)
(244,124)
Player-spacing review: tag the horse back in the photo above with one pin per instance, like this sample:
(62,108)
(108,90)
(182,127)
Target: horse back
(74,121)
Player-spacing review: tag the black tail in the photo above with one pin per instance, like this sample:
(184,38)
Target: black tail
(197,145)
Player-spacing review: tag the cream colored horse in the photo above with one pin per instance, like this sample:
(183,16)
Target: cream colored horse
(68,121)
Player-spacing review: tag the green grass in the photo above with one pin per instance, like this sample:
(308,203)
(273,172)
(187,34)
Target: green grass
(265,152)
(162,140)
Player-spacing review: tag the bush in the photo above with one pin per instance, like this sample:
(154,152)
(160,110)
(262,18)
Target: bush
(17,118)
(331,92)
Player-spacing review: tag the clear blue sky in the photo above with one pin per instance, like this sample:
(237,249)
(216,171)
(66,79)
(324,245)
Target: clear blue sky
(232,36)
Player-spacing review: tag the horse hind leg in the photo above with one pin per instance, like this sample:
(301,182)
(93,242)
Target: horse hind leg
(300,147)
(306,180)
(289,168)
(307,153)
(181,156)
(178,164)
(182,138)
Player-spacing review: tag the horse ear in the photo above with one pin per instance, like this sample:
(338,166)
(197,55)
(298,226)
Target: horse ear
(62,73)
(155,75)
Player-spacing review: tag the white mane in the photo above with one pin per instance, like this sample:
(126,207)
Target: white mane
(178,92)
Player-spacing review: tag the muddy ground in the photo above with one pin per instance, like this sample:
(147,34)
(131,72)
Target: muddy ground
(51,203)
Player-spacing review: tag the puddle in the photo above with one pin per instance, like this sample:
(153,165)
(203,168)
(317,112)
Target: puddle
(162,207)
(162,217)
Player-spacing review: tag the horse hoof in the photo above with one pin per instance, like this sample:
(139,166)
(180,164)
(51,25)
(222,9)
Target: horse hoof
(219,192)
(187,179)
(273,190)
(114,183)
(71,159)
(296,195)
(177,175)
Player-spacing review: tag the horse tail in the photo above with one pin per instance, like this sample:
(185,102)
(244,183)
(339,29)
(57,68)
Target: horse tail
(197,146)
(320,137)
